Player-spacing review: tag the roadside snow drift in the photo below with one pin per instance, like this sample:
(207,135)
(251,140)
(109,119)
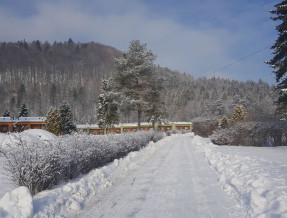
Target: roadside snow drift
(256,176)
(17,203)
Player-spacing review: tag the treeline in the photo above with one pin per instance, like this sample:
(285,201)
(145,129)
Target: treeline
(187,98)
(41,75)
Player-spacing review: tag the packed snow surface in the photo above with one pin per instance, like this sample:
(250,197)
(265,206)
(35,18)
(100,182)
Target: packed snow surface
(179,176)
(175,182)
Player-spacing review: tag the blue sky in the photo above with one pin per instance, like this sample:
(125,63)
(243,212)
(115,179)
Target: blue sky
(191,36)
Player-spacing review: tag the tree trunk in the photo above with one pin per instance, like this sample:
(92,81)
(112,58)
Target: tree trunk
(139,117)
(153,125)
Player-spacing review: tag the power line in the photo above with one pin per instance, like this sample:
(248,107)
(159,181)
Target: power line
(239,60)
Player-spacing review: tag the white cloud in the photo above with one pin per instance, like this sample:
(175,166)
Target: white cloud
(113,22)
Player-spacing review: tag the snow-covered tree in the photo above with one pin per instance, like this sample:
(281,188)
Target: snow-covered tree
(134,77)
(6,114)
(224,123)
(239,113)
(107,108)
(53,121)
(279,60)
(23,111)
(66,116)
(155,111)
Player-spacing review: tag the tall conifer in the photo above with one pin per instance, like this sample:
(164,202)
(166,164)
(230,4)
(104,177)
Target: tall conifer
(135,76)
(53,121)
(107,114)
(66,116)
(23,111)
(279,60)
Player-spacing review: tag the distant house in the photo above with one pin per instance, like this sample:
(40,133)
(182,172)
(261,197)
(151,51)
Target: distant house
(8,124)
(132,127)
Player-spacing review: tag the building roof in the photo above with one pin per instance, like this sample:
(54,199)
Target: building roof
(31,119)
(5,119)
(91,126)
(22,119)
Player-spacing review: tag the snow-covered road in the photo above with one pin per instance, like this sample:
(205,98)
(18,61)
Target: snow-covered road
(176,181)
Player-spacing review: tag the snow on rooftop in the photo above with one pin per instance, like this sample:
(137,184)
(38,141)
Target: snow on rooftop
(131,124)
(26,119)
(32,119)
(5,119)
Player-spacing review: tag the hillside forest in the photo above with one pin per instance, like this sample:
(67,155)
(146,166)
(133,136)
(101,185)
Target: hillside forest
(43,74)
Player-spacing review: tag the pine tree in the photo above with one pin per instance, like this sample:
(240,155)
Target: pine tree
(154,111)
(66,116)
(23,111)
(107,108)
(239,113)
(6,114)
(134,77)
(224,123)
(53,121)
(279,60)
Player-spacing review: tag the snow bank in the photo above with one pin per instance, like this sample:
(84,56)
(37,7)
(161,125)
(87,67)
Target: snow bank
(71,197)
(8,139)
(17,203)
(256,177)
(38,134)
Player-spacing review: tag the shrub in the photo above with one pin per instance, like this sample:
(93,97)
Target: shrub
(204,128)
(38,165)
(267,133)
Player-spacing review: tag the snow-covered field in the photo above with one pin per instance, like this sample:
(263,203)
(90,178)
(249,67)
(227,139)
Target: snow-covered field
(253,177)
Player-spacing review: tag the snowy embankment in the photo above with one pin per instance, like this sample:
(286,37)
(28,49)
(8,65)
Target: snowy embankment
(72,196)
(255,176)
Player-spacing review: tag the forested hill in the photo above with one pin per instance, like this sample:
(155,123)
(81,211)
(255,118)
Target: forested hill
(43,75)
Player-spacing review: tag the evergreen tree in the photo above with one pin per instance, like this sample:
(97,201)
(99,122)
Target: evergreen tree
(279,60)
(239,113)
(134,77)
(6,114)
(23,111)
(224,123)
(53,121)
(107,109)
(66,116)
(154,111)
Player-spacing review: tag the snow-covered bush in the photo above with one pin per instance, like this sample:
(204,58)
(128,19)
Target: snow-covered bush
(271,133)
(38,165)
(31,163)
(184,131)
(171,132)
(204,128)
(176,131)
